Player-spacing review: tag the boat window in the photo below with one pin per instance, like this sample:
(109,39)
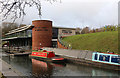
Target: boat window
(96,55)
(45,30)
(44,27)
(104,58)
(115,59)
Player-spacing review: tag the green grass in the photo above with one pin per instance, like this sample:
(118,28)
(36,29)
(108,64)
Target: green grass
(101,41)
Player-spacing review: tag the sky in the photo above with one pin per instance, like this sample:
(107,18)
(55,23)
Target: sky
(76,13)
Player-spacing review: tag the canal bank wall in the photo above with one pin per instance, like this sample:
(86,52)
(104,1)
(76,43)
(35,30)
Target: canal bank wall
(7,70)
(1,75)
(83,57)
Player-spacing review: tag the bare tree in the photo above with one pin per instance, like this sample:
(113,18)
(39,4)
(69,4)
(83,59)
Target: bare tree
(85,30)
(7,26)
(16,8)
(78,30)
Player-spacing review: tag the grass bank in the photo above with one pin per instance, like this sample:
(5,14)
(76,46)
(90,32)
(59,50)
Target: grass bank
(101,41)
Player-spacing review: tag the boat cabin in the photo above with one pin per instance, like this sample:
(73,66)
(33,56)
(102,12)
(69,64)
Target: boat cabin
(106,58)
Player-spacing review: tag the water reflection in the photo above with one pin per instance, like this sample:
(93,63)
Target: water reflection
(40,68)
(34,67)
(45,69)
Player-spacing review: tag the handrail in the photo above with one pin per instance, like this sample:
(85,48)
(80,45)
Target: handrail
(68,45)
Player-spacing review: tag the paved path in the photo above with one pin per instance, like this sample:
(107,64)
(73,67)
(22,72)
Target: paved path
(83,54)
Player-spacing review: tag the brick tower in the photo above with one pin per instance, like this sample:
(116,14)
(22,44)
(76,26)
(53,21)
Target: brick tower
(41,34)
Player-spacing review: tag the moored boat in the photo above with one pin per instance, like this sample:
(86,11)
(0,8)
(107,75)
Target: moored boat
(108,58)
(46,55)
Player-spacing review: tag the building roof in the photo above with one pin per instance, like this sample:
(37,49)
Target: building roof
(20,29)
(63,27)
(30,26)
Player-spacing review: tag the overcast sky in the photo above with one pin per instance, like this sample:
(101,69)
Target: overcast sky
(76,13)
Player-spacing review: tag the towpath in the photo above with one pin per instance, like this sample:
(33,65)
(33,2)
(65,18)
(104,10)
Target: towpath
(82,54)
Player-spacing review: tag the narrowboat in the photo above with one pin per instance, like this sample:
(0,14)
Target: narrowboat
(46,56)
(108,58)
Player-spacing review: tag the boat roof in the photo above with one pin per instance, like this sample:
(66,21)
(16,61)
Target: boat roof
(105,53)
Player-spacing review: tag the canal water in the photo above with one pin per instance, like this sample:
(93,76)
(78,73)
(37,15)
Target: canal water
(32,67)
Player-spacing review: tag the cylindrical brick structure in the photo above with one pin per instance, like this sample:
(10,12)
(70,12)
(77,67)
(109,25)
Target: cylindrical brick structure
(41,34)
